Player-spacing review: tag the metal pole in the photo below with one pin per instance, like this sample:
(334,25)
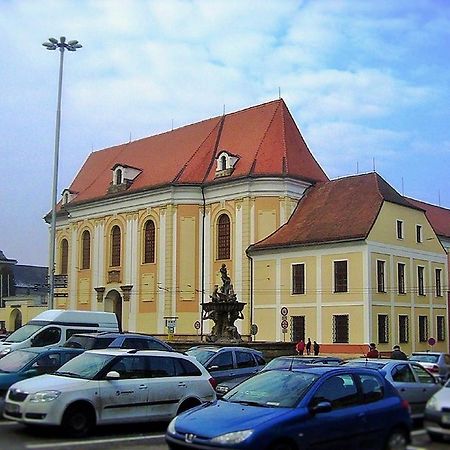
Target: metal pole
(51,268)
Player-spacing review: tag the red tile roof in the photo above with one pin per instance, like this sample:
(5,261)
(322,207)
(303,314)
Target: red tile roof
(265,138)
(339,210)
(438,217)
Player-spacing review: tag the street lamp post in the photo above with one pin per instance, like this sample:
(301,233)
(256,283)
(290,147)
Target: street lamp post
(71,46)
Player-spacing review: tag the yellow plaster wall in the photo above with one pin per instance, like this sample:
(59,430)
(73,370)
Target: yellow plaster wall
(266,319)
(310,295)
(356,319)
(264,284)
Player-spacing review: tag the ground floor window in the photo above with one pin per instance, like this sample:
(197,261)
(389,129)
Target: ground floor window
(423,328)
(440,328)
(340,328)
(297,328)
(403,329)
(383,328)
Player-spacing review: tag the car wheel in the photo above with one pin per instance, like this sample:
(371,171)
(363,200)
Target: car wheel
(78,421)
(282,445)
(436,437)
(397,440)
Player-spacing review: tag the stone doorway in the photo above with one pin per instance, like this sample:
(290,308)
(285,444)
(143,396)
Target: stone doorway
(113,303)
(15,320)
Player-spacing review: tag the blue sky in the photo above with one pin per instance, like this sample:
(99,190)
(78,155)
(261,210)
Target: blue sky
(368,83)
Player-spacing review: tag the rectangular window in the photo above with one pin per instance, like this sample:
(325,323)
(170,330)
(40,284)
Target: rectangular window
(340,328)
(419,237)
(383,328)
(340,276)
(298,328)
(401,278)
(298,278)
(423,328)
(381,284)
(403,329)
(399,229)
(440,328)
(420,280)
(438,273)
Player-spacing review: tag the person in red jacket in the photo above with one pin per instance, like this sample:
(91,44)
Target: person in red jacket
(373,352)
(300,347)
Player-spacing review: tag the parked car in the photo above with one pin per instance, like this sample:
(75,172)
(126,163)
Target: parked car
(228,362)
(138,341)
(29,362)
(281,362)
(314,407)
(437,414)
(436,363)
(111,386)
(414,383)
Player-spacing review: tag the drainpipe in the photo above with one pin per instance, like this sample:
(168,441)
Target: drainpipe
(251,293)
(203,262)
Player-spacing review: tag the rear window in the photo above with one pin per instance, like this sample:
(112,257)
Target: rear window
(201,355)
(424,358)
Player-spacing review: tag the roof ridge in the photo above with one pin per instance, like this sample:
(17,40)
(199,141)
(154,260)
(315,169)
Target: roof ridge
(283,120)
(264,137)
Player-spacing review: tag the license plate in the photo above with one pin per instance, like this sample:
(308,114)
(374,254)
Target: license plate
(446,418)
(12,408)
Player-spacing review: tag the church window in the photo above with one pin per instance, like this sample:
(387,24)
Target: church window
(149,242)
(223,237)
(115,246)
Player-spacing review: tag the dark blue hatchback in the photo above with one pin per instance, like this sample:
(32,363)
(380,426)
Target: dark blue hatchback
(318,407)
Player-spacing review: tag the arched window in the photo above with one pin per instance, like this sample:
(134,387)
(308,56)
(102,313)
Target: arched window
(149,242)
(115,246)
(86,250)
(119,176)
(223,237)
(64,256)
(223,162)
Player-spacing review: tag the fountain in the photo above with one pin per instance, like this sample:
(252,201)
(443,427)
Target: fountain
(223,310)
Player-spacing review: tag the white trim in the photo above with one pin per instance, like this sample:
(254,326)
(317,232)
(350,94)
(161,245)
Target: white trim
(132,226)
(291,293)
(333,285)
(209,258)
(238,255)
(403,252)
(173,311)
(161,273)
(397,221)
(278,296)
(367,295)
(420,233)
(319,299)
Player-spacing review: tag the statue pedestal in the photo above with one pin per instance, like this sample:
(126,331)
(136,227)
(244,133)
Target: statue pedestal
(223,314)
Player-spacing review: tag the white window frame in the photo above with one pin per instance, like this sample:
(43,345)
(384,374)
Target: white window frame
(333,273)
(384,276)
(402,229)
(404,278)
(304,278)
(419,234)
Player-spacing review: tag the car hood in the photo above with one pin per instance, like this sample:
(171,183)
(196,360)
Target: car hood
(443,397)
(223,417)
(50,382)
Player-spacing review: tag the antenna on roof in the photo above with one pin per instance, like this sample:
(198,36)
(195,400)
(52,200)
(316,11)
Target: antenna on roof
(403,188)
(357,167)
(439,197)
(279,93)
(130,138)
(172,124)
(223,109)
(373,165)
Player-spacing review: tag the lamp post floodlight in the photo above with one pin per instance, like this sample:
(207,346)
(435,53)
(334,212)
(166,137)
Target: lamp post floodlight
(71,46)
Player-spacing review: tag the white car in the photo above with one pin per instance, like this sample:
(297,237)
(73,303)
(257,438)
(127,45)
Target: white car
(111,386)
(437,414)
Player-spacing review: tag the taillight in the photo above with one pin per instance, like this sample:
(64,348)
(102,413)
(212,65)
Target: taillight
(213,382)
(405,405)
(434,369)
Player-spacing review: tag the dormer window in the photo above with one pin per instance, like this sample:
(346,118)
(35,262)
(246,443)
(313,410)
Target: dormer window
(123,177)
(67,196)
(225,164)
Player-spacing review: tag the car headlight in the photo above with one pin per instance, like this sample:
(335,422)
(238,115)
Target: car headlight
(233,438)
(5,351)
(171,427)
(432,404)
(44,396)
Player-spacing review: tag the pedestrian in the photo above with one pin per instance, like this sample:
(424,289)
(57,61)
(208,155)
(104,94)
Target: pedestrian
(397,353)
(316,348)
(308,347)
(373,352)
(300,347)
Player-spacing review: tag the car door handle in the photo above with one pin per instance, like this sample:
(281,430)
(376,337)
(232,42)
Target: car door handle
(143,386)
(182,384)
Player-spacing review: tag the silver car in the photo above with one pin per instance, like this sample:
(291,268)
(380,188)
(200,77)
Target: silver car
(414,383)
(435,362)
(437,414)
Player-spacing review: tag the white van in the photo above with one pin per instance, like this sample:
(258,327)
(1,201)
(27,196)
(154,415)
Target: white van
(55,326)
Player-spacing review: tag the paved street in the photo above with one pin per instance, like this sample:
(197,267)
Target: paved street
(136,437)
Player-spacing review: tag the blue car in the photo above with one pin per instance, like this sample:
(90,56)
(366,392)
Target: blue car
(30,362)
(318,407)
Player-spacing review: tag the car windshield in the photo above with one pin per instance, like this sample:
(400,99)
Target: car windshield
(16,360)
(424,358)
(23,333)
(286,363)
(200,354)
(86,365)
(275,389)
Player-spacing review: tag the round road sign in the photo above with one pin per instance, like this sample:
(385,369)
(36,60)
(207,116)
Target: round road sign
(197,325)
(284,324)
(431,341)
(284,311)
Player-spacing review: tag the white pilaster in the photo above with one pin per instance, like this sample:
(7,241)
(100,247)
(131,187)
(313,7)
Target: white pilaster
(161,272)
(73,278)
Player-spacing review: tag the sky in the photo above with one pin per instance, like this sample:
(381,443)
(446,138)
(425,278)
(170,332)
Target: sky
(367,82)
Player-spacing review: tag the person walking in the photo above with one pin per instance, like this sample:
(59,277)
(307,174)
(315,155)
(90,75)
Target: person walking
(373,352)
(308,347)
(397,353)
(316,348)
(300,347)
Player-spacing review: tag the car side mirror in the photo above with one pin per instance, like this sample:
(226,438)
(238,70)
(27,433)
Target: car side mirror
(213,368)
(321,407)
(112,375)
(31,372)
